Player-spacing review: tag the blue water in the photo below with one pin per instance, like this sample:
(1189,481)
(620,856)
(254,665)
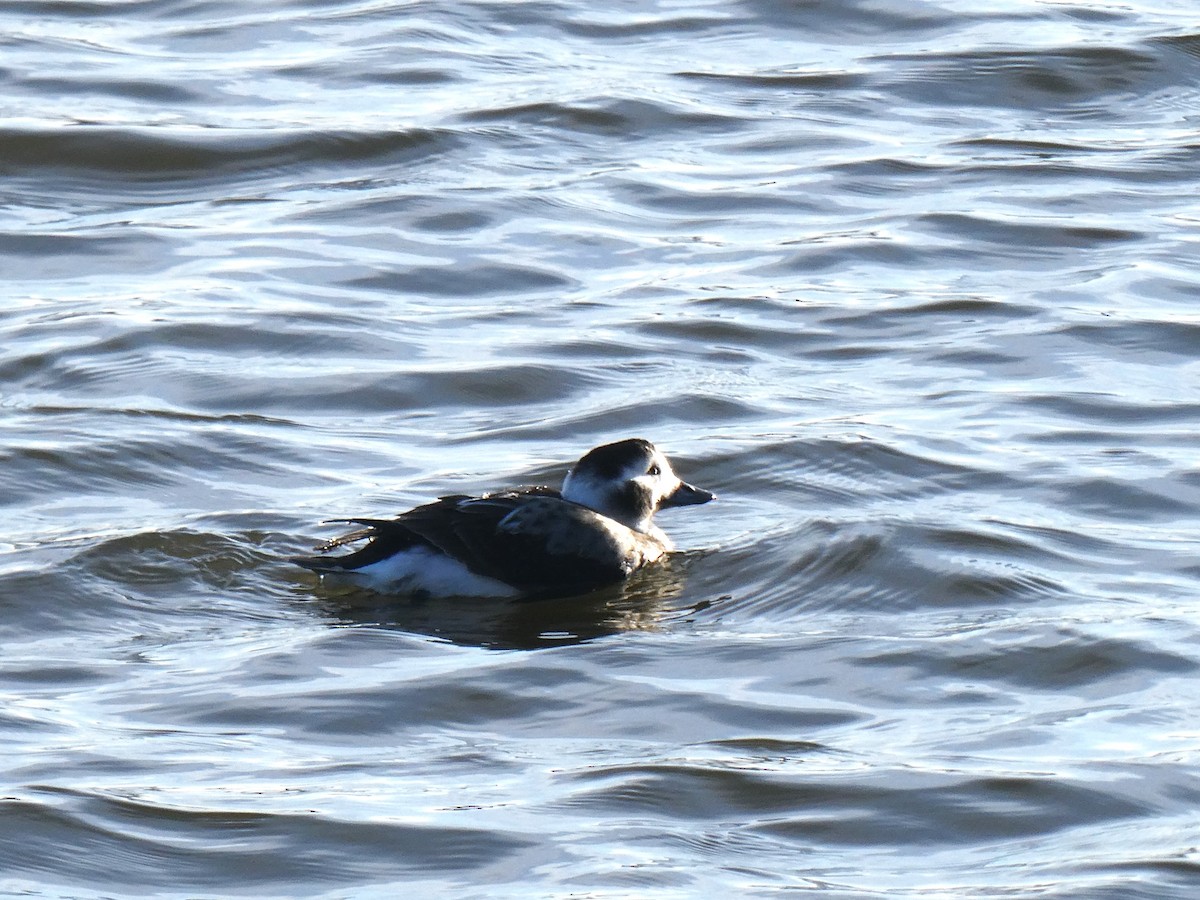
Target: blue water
(912,286)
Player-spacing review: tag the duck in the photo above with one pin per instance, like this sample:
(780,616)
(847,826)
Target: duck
(523,542)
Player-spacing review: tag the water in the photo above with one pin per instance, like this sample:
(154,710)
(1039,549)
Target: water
(912,286)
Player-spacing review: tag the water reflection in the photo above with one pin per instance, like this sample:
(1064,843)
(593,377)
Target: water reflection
(638,604)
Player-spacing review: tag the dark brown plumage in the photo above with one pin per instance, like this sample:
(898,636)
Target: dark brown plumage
(531,541)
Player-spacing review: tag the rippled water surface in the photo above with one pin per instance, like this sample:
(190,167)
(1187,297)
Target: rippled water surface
(914,286)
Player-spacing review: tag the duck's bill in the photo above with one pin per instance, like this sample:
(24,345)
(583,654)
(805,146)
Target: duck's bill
(687,495)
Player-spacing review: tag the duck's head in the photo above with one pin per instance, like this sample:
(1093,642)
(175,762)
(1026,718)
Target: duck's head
(629,481)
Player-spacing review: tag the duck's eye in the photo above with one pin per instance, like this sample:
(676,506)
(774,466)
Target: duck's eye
(654,470)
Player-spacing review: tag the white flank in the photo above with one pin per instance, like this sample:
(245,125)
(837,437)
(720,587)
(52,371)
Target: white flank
(423,569)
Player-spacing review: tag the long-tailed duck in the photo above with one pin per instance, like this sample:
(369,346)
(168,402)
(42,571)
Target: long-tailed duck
(530,541)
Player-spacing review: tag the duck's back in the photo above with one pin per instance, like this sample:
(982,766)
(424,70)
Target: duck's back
(531,539)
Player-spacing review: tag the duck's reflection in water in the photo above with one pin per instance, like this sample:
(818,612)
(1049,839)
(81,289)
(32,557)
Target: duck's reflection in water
(638,604)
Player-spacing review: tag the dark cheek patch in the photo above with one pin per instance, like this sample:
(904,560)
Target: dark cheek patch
(638,498)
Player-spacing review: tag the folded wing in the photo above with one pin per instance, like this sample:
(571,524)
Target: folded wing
(531,539)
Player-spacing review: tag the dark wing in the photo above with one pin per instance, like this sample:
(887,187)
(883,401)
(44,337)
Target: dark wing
(545,544)
(530,539)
